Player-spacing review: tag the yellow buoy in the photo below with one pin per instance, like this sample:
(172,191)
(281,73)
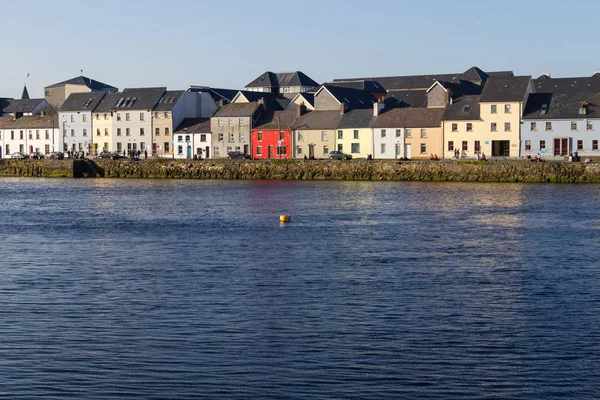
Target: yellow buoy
(284,218)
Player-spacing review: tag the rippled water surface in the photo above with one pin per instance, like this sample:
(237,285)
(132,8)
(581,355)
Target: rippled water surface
(192,289)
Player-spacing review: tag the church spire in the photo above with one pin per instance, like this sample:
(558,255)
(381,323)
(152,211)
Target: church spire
(25,95)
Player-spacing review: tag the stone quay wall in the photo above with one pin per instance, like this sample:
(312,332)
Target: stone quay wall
(356,170)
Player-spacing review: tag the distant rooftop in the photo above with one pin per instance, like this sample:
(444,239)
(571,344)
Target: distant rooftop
(85,81)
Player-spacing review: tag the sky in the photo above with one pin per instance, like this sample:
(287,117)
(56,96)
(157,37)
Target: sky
(177,43)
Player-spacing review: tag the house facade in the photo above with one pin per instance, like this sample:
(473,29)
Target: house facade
(29,134)
(193,138)
(231,128)
(76,117)
(58,93)
(314,133)
(103,124)
(354,133)
(272,135)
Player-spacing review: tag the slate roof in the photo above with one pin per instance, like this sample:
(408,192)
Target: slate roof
(22,106)
(505,89)
(271,101)
(276,120)
(406,98)
(85,81)
(409,118)
(354,98)
(562,105)
(82,101)
(107,103)
(318,120)
(194,125)
(217,94)
(281,79)
(369,86)
(139,98)
(168,100)
(4,102)
(546,84)
(30,122)
(237,110)
(465,108)
(357,119)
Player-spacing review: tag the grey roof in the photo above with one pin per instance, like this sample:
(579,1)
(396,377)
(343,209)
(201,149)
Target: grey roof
(409,118)
(546,84)
(85,81)
(168,100)
(562,105)
(369,86)
(23,106)
(276,120)
(318,120)
(357,119)
(194,125)
(281,79)
(237,110)
(505,89)
(353,98)
(465,108)
(406,98)
(270,100)
(107,102)
(4,102)
(217,94)
(82,101)
(30,122)
(501,74)
(139,98)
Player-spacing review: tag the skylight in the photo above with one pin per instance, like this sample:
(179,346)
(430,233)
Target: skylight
(120,102)
(466,108)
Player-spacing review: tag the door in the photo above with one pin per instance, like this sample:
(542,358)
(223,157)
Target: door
(407,151)
(398,150)
(246,149)
(311,151)
(189,152)
(207,152)
(561,146)
(154,149)
(270,152)
(30,149)
(500,148)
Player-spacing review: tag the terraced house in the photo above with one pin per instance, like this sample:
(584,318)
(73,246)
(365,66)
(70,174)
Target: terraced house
(76,119)
(231,128)
(29,134)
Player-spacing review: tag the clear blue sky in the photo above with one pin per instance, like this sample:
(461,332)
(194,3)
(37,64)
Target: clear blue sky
(131,43)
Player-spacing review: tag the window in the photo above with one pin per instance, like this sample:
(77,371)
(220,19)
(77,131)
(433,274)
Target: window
(507,127)
(589,125)
(187,138)
(219,122)
(119,147)
(105,116)
(493,127)
(203,137)
(533,126)
(230,122)
(355,148)
(542,144)
(340,147)
(507,109)
(12,135)
(179,138)
(72,132)
(31,134)
(300,137)
(127,117)
(383,133)
(356,133)
(157,131)
(548,126)
(423,133)
(84,117)
(118,116)
(281,135)
(47,134)
(382,148)
(580,145)
(119,131)
(259,136)
(84,132)
(231,138)
(220,137)
(282,150)
(299,150)
(323,136)
(340,134)
(594,145)
(493,109)
(167,132)
(528,145)
(451,146)
(142,132)
(127,131)
(180,150)
(325,149)
(573,126)
(469,127)
(37,134)
(454,127)
(97,132)
(7,149)
(407,133)
(97,116)
(259,150)
(423,148)
(242,122)
(167,116)
(242,137)
(477,146)
(72,117)
(465,145)
(216,151)
(141,116)
(47,149)
(166,147)
(105,131)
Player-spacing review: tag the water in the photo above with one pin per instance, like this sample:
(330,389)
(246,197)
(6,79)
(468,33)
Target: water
(192,289)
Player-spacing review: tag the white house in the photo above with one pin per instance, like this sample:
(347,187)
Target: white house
(76,121)
(29,134)
(193,137)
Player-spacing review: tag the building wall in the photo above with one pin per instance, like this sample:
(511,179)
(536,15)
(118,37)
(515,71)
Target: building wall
(77,130)
(461,134)
(364,141)
(57,96)
(49,141)
(486,136)
(388,143)
(322,139)
(162,133)
(297,102)
(271,138)
(136,140)
(432,141)
(102,124)
(192,143)
(560,129)
(324,101)
(230,137)
(437,97)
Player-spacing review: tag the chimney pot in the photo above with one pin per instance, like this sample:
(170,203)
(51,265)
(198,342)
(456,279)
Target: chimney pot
(342,108)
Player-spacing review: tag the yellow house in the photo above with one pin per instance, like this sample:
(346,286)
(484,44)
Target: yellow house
(355,133)
(102,124)
(488,124)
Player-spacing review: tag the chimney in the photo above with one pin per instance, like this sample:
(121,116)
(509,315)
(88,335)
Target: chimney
(342,108)
(261,101)
(377,107)
(221,103)
(300,110)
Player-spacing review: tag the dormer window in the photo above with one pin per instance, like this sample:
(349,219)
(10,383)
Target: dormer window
(466,109)
(583,109)
(544,109)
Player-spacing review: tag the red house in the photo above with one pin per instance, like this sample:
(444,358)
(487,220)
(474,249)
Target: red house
(272,135)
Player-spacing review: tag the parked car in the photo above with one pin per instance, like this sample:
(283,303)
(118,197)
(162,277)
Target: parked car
(106,154)
(115,155)
(57,155)
(37,155)
(19,155)
(338,155)
(238,155)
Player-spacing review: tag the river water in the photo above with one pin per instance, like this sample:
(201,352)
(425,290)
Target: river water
(161,289)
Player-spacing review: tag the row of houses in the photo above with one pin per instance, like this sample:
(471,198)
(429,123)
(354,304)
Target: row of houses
(289,115)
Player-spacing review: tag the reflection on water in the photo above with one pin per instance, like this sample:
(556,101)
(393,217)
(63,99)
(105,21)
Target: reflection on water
(188,289)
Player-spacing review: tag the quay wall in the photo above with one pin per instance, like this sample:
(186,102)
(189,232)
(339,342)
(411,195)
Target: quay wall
(358,170)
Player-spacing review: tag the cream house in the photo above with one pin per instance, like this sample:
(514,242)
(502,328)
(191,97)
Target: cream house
(314,133)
